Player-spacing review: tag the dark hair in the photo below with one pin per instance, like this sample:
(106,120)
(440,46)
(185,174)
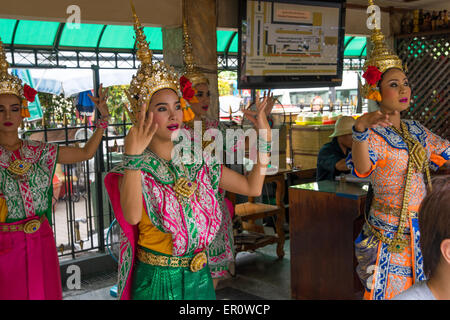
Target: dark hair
(434,223)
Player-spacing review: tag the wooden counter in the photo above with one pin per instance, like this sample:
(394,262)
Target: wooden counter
(306,143)
(325,219)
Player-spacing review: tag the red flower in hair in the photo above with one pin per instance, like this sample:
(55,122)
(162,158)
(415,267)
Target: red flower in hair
(372,75)
(184,81)
(188,93)
(186,88)
(29,93)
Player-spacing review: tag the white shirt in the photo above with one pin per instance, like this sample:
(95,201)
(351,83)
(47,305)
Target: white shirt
(419,291)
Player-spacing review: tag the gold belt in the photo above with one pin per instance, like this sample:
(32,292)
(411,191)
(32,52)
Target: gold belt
(379,206)
(195,264)
(399,242)
(30,226)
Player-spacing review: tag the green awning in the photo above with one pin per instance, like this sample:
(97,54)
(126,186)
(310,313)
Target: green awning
(7,27)
(44,34)
(227,41)
(37,34)
(86,36)
(355,47)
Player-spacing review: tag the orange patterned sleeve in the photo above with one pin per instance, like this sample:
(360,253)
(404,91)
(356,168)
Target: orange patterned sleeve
(439,149)
(377,150)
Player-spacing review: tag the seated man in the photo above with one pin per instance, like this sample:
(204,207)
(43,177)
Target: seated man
(331,158)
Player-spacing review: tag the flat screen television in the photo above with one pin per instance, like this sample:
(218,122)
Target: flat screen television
(290,43)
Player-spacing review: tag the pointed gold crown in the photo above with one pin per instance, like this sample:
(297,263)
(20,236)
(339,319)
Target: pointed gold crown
(380,59)
(9,84)
(191,71)
(149,77)
(381,56)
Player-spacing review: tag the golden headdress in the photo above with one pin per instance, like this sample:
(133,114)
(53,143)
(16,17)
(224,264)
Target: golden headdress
(10,84)
(149,77)
(191,71)
(380,59)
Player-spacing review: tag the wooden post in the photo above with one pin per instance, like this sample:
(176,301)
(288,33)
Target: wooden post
(202,25)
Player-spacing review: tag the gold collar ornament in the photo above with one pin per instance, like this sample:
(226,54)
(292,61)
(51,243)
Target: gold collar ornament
(19,169)
(184,188)
(417,154)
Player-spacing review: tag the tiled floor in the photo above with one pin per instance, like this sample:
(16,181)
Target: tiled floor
(259,275)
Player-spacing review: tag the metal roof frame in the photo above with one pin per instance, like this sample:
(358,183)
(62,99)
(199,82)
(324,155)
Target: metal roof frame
(57,56)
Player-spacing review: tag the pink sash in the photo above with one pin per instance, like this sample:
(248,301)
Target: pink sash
(29,266)
(128,238)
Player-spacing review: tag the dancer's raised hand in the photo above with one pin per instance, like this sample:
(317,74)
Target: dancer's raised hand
(100,101)
(270,102)
(259,117)
(374,119)
(141,133)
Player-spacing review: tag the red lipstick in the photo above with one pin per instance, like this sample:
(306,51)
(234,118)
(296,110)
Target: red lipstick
(173,127)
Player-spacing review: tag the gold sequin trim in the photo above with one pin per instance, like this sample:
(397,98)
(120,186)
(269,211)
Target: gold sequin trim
(196,263)
(30,226)
(387,209)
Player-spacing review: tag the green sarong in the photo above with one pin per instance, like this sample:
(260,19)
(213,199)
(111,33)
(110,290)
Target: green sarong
(169,283)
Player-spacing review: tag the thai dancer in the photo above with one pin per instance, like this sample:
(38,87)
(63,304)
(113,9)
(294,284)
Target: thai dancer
(396,154)
(195,103)
(169,210)
(29,266)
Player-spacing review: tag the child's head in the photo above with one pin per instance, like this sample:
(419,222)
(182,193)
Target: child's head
(434,223)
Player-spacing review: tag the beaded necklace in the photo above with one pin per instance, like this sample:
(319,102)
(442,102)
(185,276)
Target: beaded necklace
(19,169)
(184,188)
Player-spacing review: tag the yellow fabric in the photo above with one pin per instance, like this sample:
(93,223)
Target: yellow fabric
(152,238)
(3,210)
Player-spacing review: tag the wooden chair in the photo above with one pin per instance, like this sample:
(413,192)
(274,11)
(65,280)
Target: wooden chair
(250,211)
